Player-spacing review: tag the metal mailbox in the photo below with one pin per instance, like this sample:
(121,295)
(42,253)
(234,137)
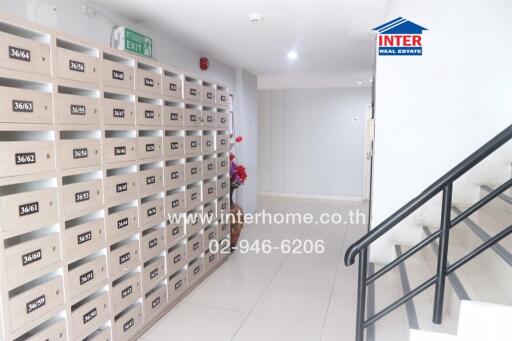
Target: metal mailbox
(195,246)
(121,223)
(150,181)
(193,197)
(193,171)
(126,292)
(77,66)
(209,119)
(172,117)
(210,190)
(153,273)
(176,258)
(30,256)
(152,243)
(178,284)
(172,87)
(124,258)
(148,114)
(87,275)
(29,209)
(117,75)
(128,324)
(77,153)
(84,239)
(90,315)
(192,118)
(81,197)
(208,144)
(148,81)
(73,109)
(209,168)
(119,149)
(29,305)
(222,165)
(26,157)
(121,187)
(173,147)
(222,143)
(175,203)
(149,147)
(174,176)
(116,112)
(174,232)
(24,54)
(155,302)
(195,271)
(192,145)
(23,105)
(192,91)
(151,213)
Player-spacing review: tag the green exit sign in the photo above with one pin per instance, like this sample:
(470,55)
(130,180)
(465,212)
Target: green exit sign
(134,42)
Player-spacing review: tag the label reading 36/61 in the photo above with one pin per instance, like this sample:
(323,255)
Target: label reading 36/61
(29,208)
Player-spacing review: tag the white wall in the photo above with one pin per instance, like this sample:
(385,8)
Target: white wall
(66,15)
(246,125)
(434,110)
(308,143)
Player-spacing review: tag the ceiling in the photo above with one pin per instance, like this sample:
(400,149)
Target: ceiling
(329,36)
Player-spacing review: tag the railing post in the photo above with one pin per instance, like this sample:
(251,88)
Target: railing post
(361,293)
(442,253)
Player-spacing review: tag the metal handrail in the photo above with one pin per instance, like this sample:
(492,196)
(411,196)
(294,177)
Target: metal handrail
(444,185)
(428,193)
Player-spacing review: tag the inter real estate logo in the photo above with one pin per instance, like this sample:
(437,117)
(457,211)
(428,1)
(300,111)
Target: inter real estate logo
(400,37)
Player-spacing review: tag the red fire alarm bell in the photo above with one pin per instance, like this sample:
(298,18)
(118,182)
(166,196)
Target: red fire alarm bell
(204,63)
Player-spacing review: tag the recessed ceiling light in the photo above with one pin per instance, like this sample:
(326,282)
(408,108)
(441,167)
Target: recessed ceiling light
(292,55)
(371,80)
(359,82)
(255,17)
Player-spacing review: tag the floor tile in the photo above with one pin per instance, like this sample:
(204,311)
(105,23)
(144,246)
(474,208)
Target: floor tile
(191,322)
(264,328)
(337,334)
(293,304)
(342,311)
(227,293)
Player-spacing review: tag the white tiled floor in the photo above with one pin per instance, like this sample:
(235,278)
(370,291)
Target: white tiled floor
(278,296)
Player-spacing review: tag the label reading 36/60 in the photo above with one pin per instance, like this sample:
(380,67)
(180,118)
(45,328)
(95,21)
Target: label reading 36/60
(31,257)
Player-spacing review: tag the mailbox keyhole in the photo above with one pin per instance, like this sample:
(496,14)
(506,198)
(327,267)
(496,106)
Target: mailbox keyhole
(96,151)
(93,69)
(53,249)
(51,203)
(47,156)
(98,192)
(57,292)
(43,59)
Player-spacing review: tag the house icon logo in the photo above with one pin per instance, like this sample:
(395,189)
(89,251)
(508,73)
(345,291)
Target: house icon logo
(400,37)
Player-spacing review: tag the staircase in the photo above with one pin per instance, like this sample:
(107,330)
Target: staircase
(456,284)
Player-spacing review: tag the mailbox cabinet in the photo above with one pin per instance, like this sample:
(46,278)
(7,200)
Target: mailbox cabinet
(126,291)
(174,232)
(153,273)
(116,112)
(126,325)
(31,256)
(77,66)
(117,75)
(76,153)
(31,209)
(172,87)
(176,258)
(25,106)
(23,54)
(178,284)
(33,303)
(26,157)
(121,223)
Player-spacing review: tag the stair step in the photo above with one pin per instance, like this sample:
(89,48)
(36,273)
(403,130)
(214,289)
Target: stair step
(484,321)
(418,271)
(500,208)
(489,274)
(381,293)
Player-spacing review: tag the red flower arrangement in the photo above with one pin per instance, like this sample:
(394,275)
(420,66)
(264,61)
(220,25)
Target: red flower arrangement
(237,172)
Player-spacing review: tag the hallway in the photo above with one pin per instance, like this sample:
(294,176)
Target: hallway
(275,296)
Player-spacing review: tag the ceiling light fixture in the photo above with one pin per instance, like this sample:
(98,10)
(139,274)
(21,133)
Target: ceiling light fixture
(292,55)
(255,18)
(359,82)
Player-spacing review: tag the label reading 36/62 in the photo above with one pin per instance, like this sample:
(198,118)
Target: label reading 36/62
(24,158)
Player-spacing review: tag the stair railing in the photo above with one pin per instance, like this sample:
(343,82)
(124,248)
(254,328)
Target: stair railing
(444,185)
